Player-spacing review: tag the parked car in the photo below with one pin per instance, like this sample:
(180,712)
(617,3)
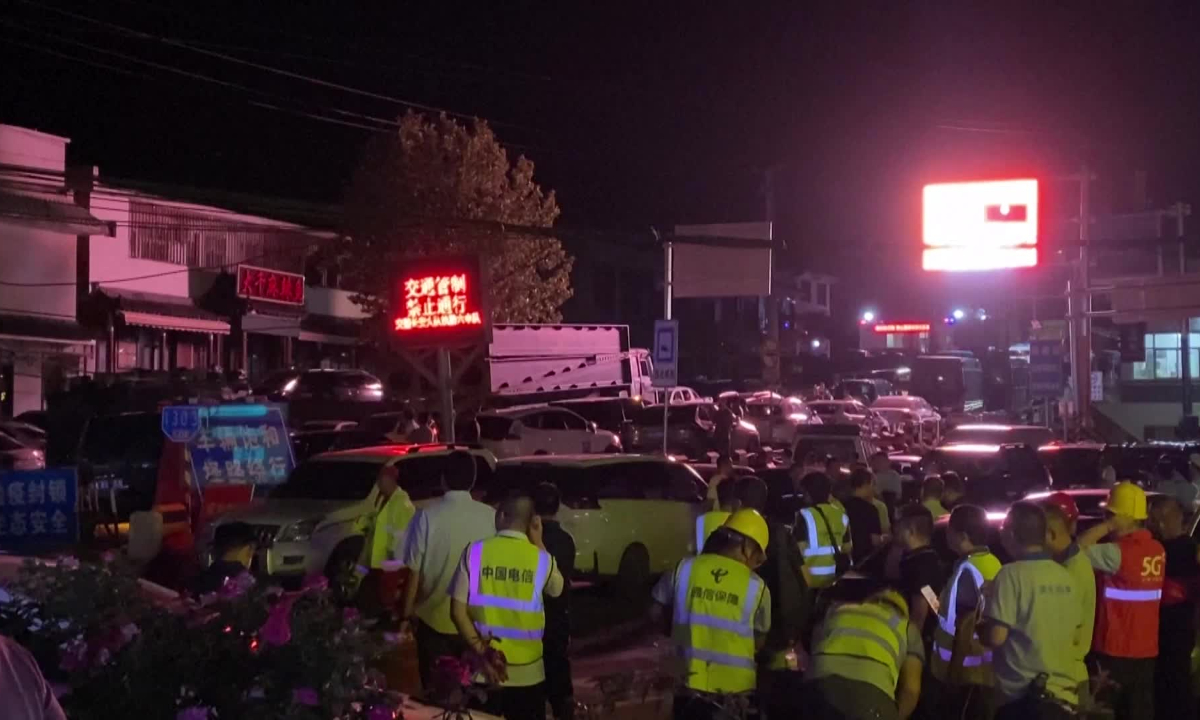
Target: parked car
(777,417)
(15,455)
(314,522)
(118,460)
(908,413)
(329,425)
(1034,436)
(1073,465)
(36,418)
(632,516)
(995,475)
(842,442)
(337,385)
(691,430)
(31,436)
(867,390)
(681,395)
(612,414)
(537,429)
(854,411)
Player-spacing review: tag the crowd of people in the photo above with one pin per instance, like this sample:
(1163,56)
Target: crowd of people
(853,613)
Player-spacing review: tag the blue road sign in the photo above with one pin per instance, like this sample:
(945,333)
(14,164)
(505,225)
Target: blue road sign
(1045,368)
(241,444)
(37,510)
(666,353)
(181,423)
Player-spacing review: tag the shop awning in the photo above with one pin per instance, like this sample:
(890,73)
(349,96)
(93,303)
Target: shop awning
(175,322)
(326,338)
(42,331)
(330,330)
(46,213)
(277,324)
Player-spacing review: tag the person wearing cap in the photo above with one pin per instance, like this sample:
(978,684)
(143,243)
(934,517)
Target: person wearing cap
(1131,572)
(1030,618)
(1177,615)
(1168,481)
(1061,517)
(959,663)
(867,656)
(721,613)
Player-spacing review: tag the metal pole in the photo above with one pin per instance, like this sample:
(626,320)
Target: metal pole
(1185,371)
(666,406)
(668,277)
(446,388)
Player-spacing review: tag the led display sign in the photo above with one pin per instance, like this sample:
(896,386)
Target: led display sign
(439,301)
(257,283)
(889,328)
(980,225)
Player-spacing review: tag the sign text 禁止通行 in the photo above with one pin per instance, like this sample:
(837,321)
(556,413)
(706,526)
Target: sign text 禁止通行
(257,283)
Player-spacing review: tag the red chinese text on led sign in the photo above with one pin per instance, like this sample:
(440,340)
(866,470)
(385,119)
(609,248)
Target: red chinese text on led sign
(437,301)
(887,328)
(272,285)
(980,225)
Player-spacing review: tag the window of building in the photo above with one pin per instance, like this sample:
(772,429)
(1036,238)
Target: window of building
(823,294)
(1162,357)
(806,295)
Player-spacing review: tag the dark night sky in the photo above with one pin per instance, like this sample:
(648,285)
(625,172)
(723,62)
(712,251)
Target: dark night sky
(650,113)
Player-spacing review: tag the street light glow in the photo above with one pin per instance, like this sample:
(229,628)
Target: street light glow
(868,316)
(816,344)
(959,314)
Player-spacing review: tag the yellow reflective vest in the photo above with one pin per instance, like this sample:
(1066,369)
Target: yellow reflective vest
(387,533)
(716,599)
(706,524)
(979,567)
(826,526)
(508,576)
(876,629)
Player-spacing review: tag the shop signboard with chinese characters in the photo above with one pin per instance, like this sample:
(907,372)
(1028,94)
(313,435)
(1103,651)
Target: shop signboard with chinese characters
(440,302)
(37,510)
(241,444)
(255,283)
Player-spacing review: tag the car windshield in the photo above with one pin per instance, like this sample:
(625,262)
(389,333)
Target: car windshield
(898,402)
(993,477)
(762,411)
(1072,467)
(493,427)
(135,437)
(842,449)
(329,480)
(604,414)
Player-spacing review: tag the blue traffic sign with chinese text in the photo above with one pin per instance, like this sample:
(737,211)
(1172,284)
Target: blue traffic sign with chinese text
(241,444)
(1045,368)
(37,510)
(181,423)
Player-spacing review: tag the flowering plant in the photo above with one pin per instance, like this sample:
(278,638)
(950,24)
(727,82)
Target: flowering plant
(245,651)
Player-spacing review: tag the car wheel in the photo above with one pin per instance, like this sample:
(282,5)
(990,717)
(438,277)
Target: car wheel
(612,450)
(340,569)
(633,574)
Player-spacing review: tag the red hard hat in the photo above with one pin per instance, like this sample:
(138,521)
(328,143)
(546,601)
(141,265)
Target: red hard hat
(1066,503)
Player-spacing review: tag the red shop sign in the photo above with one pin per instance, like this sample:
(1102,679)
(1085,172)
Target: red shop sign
(257,283)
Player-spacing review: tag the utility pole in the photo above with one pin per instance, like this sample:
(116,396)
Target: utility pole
(772,302)
(1079,309)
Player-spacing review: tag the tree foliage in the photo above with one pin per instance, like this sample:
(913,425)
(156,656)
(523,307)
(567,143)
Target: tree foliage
(438,187)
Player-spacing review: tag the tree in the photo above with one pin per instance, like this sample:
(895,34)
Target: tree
(436,187)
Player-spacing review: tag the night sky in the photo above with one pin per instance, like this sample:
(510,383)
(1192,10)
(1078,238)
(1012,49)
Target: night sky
(643,114)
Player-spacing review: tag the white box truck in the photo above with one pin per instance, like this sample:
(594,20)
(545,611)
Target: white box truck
(539,363)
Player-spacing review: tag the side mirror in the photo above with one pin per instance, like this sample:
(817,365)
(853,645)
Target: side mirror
(592,426)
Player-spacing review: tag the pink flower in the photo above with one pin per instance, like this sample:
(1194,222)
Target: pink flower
(381,712)
(277,630)
(74,655)
(315,583)
(236,586)
(195,712)
(305,696)
(350,615)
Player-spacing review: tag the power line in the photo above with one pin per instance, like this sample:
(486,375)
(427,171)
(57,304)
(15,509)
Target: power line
(74,58)
(256,65)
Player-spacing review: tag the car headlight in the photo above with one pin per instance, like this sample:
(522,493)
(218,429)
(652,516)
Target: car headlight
(298,531)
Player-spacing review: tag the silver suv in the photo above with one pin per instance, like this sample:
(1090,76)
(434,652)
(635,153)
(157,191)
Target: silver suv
(314,522)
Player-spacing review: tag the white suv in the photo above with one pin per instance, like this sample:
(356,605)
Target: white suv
(542,429)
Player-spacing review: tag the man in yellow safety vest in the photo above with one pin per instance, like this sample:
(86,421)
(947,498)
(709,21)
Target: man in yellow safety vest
(823,531)
(721,614)
(959,663)
(496,603)
(867,655)
(722,507)
(380,562)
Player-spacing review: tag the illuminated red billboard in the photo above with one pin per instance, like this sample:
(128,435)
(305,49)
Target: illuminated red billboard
(903,328)
(986,225)
(439,302)
(257,283)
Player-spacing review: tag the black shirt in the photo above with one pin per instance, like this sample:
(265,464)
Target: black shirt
(864,522)
(1176,621)
(791,599)
(561,547)
(919,568)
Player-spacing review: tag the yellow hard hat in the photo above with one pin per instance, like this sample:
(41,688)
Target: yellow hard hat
(1128,500)
(749,523)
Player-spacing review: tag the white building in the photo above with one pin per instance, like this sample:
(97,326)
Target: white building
(96,278)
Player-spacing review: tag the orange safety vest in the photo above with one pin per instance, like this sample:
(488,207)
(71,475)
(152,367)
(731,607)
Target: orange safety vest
(1127,601)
